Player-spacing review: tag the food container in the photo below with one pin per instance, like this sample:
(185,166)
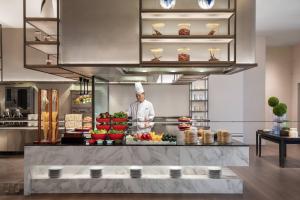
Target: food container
(120,127)
(184,29)
(157,29)
(213,52)
(116,136)
(119,119)
(156,52)
(98,136)
(224,137)
(208,137)
(213,28)
(191,136)
(103,120)
(183,54)
(200,132)
(106,127)
(293,132)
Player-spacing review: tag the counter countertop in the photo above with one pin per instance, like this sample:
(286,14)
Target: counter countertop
(233,143)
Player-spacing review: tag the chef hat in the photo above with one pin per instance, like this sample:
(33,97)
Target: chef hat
(139,88)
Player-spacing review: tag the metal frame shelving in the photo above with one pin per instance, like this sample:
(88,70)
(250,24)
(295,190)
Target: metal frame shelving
(48,26)
(1,53)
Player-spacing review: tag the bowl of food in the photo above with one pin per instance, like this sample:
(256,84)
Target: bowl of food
(115,134)
(103,126)
(184,119)
(99,134)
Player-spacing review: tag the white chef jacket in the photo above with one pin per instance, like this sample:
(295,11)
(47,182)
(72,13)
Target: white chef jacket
(141,113)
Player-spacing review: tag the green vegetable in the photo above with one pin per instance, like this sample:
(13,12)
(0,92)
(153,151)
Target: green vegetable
(273,101)
(120,115)
(280,110)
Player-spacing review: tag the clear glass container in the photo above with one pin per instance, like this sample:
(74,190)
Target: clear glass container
(184,29)
(183,54)
(214,54)
(38,35)
(167,4)
(208,137)
(213,28)
(157,28)
(157,54)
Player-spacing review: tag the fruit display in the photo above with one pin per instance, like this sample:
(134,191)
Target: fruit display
(151,138)
(98,134)
(83,99)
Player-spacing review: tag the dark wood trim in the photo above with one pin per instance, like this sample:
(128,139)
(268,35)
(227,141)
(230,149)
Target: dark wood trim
(1,52)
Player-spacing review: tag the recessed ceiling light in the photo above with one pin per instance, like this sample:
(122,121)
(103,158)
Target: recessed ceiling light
(173,71)
(144,71)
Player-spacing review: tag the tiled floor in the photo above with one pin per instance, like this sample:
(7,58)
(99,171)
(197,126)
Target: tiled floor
(263,180)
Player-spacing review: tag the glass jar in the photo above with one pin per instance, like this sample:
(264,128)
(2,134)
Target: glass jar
(293,132)
(184,29)
(191,136)
(213,28)
(157,54)
(208,137)
(183,54)
(157,29)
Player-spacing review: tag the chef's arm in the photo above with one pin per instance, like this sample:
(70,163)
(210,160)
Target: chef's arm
(151,113)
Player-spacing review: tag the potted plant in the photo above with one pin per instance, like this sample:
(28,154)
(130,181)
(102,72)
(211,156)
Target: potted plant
(279,110)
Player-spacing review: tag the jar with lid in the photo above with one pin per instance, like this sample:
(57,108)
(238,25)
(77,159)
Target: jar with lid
(183,54)
(293,132)
(191,136)
(223,137)
(208,137)
(184,29)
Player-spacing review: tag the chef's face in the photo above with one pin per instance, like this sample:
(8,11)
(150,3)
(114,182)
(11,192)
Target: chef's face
(140,97)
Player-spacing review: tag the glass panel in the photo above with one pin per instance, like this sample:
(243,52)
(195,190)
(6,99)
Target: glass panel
(100,97)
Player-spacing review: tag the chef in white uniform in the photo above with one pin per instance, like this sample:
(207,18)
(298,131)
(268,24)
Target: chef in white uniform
(141,111)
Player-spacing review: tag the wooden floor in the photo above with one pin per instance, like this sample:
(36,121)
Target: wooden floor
(263,180)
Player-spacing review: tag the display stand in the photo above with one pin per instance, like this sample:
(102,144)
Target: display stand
(48,104)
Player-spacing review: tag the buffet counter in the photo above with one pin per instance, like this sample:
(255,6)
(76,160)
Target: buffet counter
(155,161)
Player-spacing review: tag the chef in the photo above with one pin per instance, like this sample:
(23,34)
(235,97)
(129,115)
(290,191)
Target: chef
(141,111)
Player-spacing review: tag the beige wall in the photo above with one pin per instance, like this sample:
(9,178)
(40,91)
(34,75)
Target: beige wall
(295,81)
(279,73)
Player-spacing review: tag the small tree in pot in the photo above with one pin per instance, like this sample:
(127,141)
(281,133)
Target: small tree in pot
(279,110)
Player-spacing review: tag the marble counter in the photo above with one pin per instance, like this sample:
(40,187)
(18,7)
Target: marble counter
(76,161)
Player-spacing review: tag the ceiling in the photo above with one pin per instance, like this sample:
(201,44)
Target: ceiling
(278,20)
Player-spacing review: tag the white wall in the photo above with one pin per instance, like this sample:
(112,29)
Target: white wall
(295,82)
(226,102)
(254,94)
(168,100)
(279,74)
(13,63)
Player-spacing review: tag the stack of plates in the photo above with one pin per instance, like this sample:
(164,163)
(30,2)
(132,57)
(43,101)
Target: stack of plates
(54,172)
(136,172)
(214,172)
(175,172)
(96,172)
